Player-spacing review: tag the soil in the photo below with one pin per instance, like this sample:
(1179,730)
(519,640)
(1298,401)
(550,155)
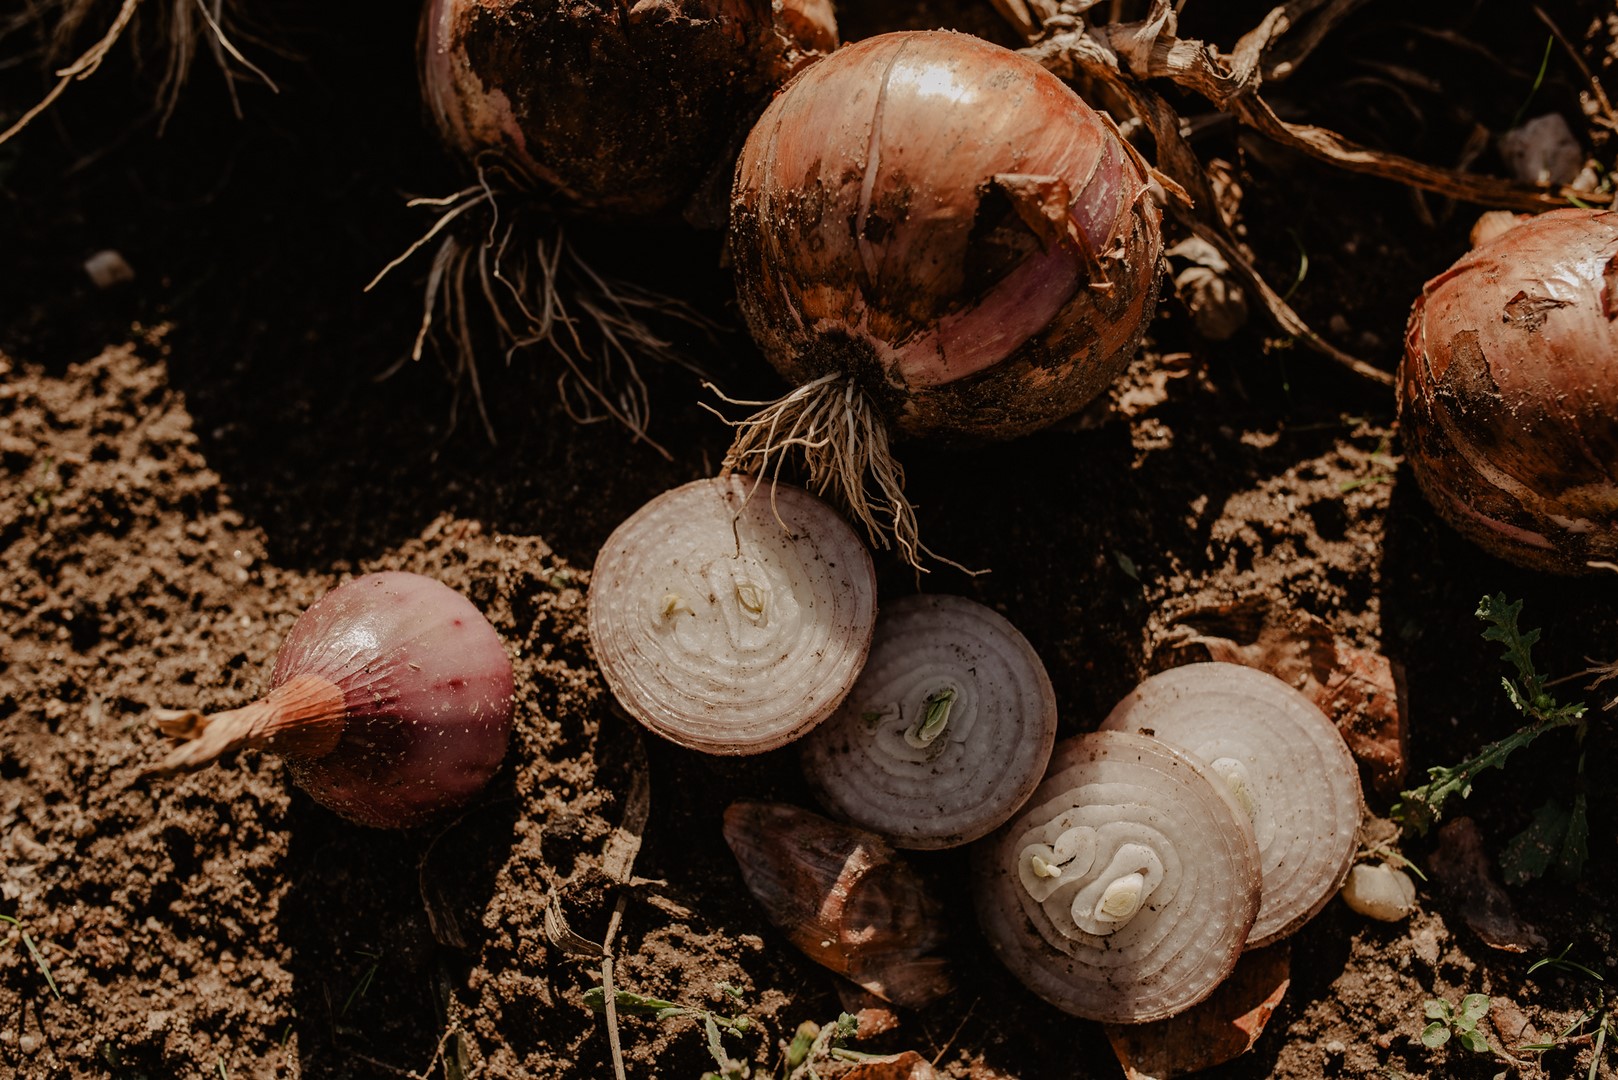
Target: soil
(193,457)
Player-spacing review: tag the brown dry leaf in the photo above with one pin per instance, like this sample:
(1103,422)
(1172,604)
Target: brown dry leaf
(906,1066)
(1220,1029)
(1360,689)
(1462,868)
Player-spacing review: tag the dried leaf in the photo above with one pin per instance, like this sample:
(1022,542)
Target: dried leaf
(1220,1029)
(906,1066)
(1460,866)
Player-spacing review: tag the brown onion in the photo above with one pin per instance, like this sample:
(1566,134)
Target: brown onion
(390,699)
(1285,763)
(933,236)
(1508,394)
(1125,889)
(946,732)
(614,107)
(731,617)
(845,898)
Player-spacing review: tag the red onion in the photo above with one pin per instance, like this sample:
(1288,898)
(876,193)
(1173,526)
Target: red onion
(933,236)
(390,698)
(1508,395)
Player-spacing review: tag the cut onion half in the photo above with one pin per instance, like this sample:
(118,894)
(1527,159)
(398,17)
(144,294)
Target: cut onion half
(1124,891)
(732,616)
(946,732)
(1284,761)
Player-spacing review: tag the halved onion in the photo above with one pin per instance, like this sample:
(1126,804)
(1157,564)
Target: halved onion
(1283,760)
(729,617)
(945,734)
(1125,890)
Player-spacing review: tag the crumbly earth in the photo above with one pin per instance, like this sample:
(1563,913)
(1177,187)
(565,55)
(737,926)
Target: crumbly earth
(190,459)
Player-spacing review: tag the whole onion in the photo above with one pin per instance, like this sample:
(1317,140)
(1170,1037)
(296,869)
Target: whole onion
(1508,394)
(1125,889)
(599,108)
(947,730)
(615,108)
(390,699)
(933,236)
(732,617)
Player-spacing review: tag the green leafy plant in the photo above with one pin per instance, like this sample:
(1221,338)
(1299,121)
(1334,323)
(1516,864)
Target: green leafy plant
(1579,1030)
(811,1044)
(1460,1022)
(1558,836)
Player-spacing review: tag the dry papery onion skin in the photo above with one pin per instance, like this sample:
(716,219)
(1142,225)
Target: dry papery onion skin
(949,225)
(1285,762)
(620,109)
(1130,833)
(843,896)
(390,699)
(731,616)
(947,730)
(1508,393)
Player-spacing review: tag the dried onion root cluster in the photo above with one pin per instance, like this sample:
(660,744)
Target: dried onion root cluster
(1508,394)
(1216,810)
(729,617)
(932,236)
(946,732)
(182,29)
(597,109)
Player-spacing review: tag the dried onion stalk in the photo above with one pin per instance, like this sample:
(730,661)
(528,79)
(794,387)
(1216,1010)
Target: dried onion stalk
(946,732)
(1125,889)
(1285,763)
(732,619)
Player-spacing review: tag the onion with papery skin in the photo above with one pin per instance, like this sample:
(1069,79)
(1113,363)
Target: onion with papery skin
(615,108)
(732,617)
(595,108)
(1508,394)
(845,898)
(933,236)
(390,699)
(1282,759)
(946,732)
(1125,889)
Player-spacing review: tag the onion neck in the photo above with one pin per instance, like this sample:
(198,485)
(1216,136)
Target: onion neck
(303,717)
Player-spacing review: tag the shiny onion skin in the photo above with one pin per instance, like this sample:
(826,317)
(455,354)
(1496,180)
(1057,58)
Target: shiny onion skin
(621,109)
(390,699)
(950,225)
(1508,393)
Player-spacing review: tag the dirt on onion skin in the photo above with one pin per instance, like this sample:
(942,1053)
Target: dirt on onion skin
(190,460)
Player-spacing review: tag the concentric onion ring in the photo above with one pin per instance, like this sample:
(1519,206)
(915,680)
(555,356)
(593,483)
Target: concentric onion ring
(1284,760)
(1125,890)
(945,734)
(726,628)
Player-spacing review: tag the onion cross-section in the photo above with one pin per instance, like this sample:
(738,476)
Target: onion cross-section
(731,616)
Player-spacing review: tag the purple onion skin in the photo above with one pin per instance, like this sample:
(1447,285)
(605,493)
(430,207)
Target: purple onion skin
(427,689)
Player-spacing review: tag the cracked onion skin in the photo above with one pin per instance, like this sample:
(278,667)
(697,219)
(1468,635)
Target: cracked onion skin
(622,109)
(844,897)
(949,224)
(1508,393)
(390,699)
